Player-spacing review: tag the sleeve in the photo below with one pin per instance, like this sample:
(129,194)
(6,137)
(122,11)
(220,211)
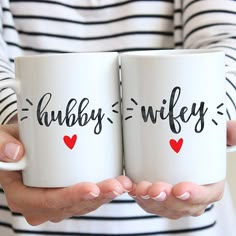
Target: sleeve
(8,106)
(211,24)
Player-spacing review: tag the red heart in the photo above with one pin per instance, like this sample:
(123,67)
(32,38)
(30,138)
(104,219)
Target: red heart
(176,145)
(70,141)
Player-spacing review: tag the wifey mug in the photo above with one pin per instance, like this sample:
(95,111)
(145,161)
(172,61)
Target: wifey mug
(174,123)
(69,118)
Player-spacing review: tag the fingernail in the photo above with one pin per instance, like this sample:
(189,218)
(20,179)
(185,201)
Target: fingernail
(11,150)
(184,196)
(161,197)
(112,194)
(146,197)
(91,195)
(127,191)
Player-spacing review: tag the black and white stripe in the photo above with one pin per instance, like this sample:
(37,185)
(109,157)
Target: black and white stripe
(120,26)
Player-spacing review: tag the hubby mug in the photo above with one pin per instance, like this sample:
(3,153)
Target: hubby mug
(69,118)
(174,119)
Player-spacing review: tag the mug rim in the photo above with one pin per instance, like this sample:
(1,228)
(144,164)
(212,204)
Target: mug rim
(59,55)
(172,53)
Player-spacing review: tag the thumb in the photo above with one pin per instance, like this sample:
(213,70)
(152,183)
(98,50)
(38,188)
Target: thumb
(11,149)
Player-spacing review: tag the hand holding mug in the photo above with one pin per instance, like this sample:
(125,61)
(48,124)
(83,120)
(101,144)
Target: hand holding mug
(182,199)
(174,202)
(175,129)
(39,205)
(69,118)
(174,118)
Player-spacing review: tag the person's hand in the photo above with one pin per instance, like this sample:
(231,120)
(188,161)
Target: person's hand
(183,199)
(174,202)
(39,205)
(231,132)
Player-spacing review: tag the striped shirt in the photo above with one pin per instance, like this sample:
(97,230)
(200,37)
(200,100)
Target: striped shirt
(56,26)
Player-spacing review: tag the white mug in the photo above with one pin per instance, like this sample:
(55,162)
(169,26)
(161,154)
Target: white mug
(69,118)
(174,123)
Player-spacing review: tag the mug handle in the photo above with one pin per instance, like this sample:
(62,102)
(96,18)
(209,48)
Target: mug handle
(20,165)
(230,70)
(231,148)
